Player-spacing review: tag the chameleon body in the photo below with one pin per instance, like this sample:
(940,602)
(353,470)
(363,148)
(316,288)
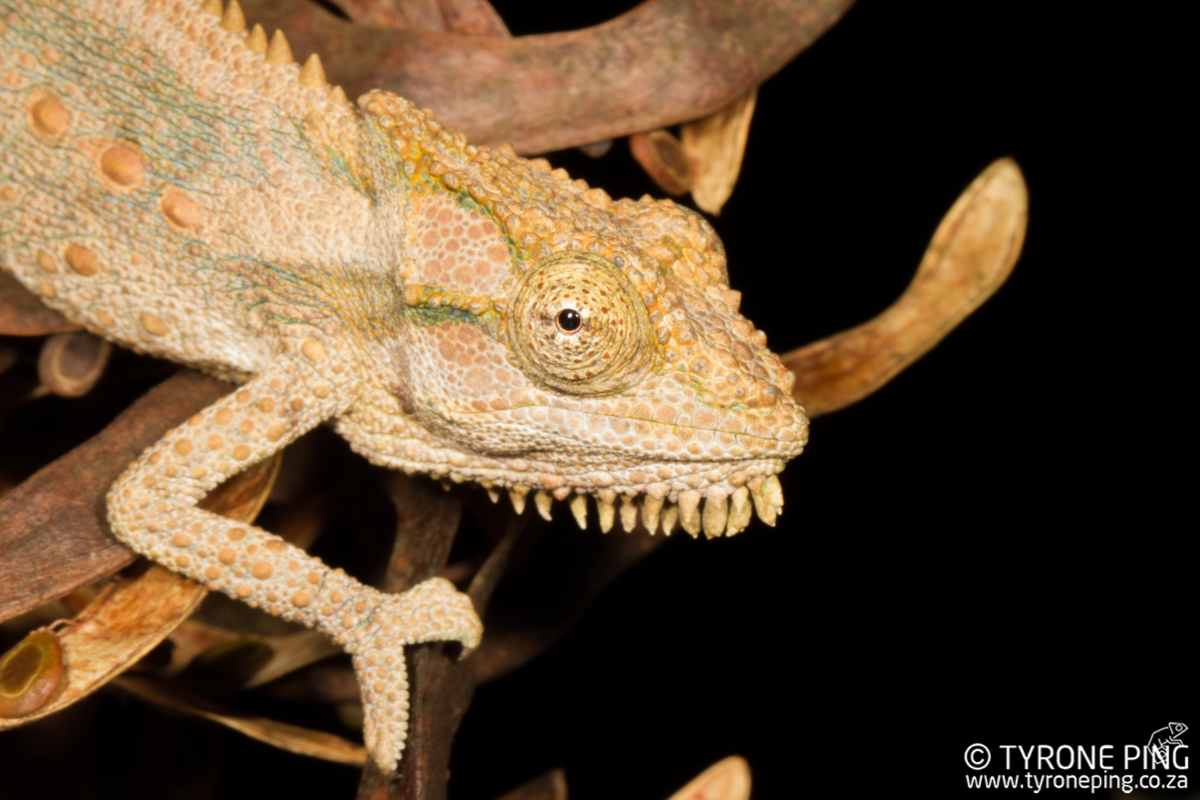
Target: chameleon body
(178,185)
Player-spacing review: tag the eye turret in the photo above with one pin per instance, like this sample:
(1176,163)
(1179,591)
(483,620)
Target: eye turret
(576,325)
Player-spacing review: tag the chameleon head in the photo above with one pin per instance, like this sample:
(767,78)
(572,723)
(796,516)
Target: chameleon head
(557,342)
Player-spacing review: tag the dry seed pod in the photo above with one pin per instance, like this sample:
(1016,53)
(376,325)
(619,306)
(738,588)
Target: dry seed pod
(71,363)
(971,254)
(714,147)
(728,779)
(29,673)
(664,160)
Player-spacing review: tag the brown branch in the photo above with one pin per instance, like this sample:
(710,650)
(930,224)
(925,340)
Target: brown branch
(441,685)
(468,17)
(664,62)
(22,314)
(53,527)
(426,521)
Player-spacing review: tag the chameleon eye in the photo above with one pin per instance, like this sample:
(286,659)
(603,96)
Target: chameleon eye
(576,324)
(568,320)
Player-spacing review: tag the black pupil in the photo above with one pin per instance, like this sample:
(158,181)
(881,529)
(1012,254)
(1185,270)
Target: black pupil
(569,320)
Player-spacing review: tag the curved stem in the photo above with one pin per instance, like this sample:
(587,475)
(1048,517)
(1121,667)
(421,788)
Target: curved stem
(664,62)
(971,255)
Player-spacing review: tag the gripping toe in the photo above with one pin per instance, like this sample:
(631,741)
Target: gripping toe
(431,611)
(384,682)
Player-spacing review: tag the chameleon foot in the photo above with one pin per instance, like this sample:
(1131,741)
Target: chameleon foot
(430,611)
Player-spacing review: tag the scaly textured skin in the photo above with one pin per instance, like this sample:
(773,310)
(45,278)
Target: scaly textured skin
(179,186)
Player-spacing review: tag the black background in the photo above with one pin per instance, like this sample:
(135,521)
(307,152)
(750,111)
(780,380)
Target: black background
(993,548)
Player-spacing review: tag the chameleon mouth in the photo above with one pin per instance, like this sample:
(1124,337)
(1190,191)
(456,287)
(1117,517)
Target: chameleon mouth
(722,510)
(719,499)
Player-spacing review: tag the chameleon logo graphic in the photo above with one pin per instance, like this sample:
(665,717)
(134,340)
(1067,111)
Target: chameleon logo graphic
(1163,739)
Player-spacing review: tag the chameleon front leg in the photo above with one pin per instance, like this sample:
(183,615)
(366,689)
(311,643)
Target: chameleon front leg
(152,509)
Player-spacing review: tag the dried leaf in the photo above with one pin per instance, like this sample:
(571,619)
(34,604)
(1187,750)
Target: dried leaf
(292,738)
(53,529)
(714,146)
(22,314)
(131,616)
(971,254)
(551,786)
(71,363)
(664,160)
(190,640)
(243,662)
(728,779)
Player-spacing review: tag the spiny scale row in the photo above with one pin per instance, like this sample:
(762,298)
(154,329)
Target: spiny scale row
(277,50)
(715,513)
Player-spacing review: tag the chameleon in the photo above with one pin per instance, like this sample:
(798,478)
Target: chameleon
(174,182)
